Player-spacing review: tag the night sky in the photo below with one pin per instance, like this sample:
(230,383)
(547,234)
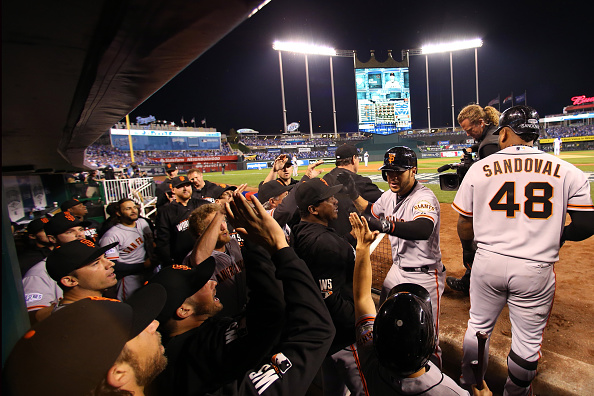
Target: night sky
(543,48)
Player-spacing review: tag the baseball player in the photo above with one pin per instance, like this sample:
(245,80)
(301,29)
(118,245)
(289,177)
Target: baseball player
(200,188)
(282,168)
(409,213)
(132,254)
(79,210)
(173,238)
(506,202)
(366,158)
(394,346)
(557,146)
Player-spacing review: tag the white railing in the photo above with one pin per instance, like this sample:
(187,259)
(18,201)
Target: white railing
(140,190)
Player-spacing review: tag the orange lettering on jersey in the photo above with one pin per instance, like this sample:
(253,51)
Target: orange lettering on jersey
(547,168)
(518,165)
(507,166)
(528,165)
(497,168)
(556,174)
(487,170)
(537,165)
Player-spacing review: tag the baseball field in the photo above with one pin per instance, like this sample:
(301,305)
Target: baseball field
(567,364)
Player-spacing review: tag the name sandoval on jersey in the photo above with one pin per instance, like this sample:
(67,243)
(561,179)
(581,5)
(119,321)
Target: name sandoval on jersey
(528,165)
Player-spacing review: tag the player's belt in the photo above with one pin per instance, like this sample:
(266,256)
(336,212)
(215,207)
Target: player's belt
(425,268)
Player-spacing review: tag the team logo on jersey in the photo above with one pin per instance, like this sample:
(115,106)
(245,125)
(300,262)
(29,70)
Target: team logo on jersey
(424,207)
(33,297)
(183,225)
(269,373)
(325,287)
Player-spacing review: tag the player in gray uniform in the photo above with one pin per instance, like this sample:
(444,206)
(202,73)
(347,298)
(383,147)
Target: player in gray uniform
(40,289)
(514,204)
(132,254)
(394,346)
(409,213)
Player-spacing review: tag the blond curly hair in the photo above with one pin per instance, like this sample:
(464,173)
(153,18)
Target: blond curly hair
(474,113)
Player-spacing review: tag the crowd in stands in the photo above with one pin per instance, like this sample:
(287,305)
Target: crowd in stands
(569,131)
(286,141)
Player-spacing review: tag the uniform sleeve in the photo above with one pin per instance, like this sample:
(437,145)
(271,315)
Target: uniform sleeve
(39,292)
(426,207)
(110,237)
(579,192)
(378,208)
(463,202)
(294,362)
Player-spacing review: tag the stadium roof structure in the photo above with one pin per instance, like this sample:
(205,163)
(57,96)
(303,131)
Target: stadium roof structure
(72,69)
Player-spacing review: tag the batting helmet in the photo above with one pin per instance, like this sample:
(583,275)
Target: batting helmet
(523,120)
(398,158)
(403,332)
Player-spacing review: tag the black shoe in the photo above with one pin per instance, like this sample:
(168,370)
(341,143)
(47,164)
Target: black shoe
(457,284)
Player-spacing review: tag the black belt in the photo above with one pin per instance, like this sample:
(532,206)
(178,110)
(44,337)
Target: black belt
(424,269)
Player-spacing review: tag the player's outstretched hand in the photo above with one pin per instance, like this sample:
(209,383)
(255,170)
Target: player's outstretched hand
(348,185)
(279,162)
(255,224)
(311,171)
(361,230)
(483,392)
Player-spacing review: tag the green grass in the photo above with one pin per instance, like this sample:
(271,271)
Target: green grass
(584,160)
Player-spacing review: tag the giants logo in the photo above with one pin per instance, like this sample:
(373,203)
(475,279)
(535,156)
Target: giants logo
(87,242)
(68,216)
(180,267)
(391,157)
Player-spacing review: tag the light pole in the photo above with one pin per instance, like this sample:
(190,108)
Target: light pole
(447,47)
(308,49)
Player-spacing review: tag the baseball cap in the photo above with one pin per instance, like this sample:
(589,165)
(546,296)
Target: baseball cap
(346,151)
(272,189)
(521,119)
(313,191)
(73,255)
(170,167)
(62,222)
(179,181)
(71,351)
(69,204)
(217,191)
(180,282)
(37,225)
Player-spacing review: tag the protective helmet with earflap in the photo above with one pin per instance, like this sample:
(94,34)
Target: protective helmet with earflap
(403,333)
(399,158)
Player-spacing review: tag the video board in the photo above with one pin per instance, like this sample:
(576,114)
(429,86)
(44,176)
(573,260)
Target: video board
(383,99)
(165,140)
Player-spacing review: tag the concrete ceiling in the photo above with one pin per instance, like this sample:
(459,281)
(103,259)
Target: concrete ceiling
(71,69)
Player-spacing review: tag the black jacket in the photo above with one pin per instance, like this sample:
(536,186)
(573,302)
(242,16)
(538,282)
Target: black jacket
(205,192)
(173,237)
(366,189)
(331,260)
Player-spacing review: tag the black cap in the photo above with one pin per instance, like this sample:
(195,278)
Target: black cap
(170,167)
(71,351)
(73,255)
(216,191)
(346,151)
(69,204)
(313,191)
(521,119)
(272,189)
(181,282)
(180,181)
(37,225)
(62,222)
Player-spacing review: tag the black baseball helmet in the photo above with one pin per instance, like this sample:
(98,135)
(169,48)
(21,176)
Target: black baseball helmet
(398,158)
(523,120)
(403,332)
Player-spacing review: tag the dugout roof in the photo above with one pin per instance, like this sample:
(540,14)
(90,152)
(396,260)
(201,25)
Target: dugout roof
(72,69)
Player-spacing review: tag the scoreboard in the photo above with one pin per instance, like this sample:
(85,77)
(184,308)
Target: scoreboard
(383,99)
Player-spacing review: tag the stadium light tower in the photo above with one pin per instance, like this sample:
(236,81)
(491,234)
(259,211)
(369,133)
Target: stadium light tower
(448,47)
(307,49)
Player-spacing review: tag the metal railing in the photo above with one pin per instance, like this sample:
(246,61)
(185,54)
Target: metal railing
(140,190)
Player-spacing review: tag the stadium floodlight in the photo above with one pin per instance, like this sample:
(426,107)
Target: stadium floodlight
(306,49)
(303,48)
(452,46)
(447,47)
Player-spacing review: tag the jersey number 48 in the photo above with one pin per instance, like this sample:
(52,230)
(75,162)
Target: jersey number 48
(537,205)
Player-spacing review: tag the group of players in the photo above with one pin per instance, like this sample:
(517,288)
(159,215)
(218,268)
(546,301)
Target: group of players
(255,295)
